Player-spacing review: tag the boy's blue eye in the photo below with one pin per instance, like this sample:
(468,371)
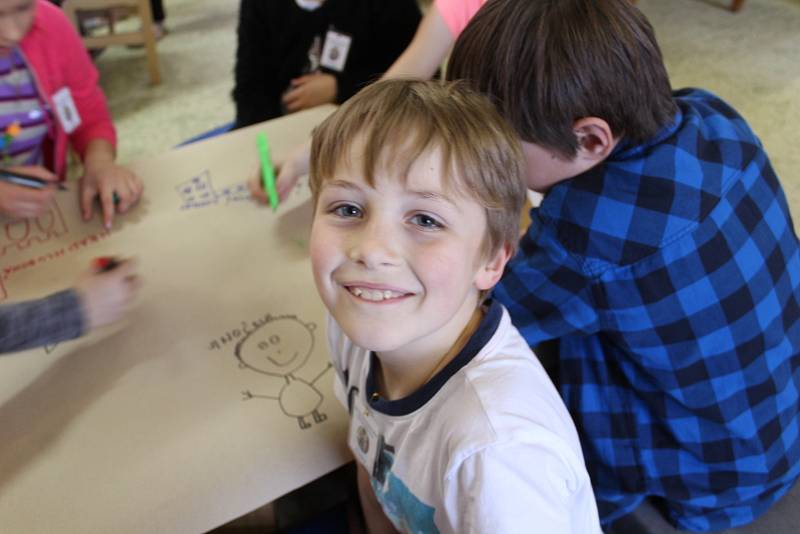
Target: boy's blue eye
(347,210)
(426,221)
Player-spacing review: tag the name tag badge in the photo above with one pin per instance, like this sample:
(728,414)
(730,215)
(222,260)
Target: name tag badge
(363,439)
(335,50)
(66,111)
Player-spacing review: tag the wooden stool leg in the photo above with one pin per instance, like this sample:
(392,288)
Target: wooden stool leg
(149,36)
(152,62)
(736,5)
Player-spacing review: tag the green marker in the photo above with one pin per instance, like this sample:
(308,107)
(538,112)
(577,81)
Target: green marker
(267,173)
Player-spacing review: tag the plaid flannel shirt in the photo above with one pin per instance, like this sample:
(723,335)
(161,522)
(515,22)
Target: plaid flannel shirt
(34,323)
(670,274)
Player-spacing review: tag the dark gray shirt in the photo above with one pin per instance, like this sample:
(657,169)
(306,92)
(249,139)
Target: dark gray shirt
(34,323)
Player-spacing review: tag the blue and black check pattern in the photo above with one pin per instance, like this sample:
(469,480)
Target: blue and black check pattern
(671,275)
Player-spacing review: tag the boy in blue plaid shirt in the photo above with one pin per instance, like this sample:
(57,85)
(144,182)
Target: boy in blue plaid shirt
(663,258)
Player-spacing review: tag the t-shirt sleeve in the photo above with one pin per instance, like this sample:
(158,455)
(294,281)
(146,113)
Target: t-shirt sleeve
(522,487)
(457,13)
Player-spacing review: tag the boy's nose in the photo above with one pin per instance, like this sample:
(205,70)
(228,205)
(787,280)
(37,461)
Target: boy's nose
(374,246)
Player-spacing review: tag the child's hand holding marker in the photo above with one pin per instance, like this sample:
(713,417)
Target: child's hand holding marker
(26,191)
(107,290)
(288,174)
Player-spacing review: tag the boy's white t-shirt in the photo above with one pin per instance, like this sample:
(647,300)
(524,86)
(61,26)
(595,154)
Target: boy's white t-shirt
(485,446)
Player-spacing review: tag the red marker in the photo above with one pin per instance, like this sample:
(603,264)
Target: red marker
(105,263)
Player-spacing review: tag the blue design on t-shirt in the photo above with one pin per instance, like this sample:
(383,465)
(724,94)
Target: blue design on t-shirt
(401,506)
(405,509)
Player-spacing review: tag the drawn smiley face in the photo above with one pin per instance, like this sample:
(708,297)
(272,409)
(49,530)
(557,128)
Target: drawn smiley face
(279,347)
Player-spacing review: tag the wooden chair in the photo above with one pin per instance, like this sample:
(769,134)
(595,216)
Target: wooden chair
(107,9)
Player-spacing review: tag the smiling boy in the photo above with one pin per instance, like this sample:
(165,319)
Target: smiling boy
(454,424)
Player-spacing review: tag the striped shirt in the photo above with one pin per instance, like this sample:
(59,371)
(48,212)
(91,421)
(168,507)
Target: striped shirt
(20,105)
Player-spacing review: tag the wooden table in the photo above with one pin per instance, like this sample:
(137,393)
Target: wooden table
(215,395)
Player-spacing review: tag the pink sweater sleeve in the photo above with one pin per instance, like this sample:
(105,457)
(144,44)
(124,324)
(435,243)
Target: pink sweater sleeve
(457,13)
(83,80)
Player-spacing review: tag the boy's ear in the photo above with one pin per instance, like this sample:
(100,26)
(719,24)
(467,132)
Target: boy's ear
(492,269)
(595,139)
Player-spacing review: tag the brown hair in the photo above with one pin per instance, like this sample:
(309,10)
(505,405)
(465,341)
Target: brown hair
(396,121)
(548,63)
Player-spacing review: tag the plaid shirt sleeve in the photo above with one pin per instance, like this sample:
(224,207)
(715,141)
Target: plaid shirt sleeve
(34,323)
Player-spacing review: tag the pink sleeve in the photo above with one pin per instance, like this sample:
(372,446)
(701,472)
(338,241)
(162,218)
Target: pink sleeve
(457,13)
(82,78)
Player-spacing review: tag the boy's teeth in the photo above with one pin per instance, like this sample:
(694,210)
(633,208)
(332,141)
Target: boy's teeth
(373,294)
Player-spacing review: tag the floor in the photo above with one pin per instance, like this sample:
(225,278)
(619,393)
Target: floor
(751,59)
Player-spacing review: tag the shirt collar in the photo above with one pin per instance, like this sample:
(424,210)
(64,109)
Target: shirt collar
(486,329)
(625,149)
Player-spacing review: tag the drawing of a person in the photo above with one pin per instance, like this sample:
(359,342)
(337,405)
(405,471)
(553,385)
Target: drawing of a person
(279,348)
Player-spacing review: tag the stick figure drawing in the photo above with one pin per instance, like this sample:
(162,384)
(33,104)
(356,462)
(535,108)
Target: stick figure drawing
(279,348)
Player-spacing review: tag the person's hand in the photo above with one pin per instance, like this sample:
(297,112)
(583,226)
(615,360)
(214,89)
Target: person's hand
(19,202)
(103,180)
(287,175)
(257,188)
(310,90)
(107,296)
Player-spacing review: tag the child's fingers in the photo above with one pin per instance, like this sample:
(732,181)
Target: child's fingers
(294,100)
(290,96)
(288,176)
(128,193)
(286,183)
(257,190)
(126,271)
(88,195)
(296,105)
(124,198)
(300,80)
(127,267)
(40,198)
(33,203)
(107,205)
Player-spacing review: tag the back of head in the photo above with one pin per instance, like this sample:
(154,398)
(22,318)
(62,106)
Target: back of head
(393,122)
(548,63)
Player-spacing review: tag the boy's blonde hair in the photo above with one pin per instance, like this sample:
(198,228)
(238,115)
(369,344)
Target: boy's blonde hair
(396,121)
